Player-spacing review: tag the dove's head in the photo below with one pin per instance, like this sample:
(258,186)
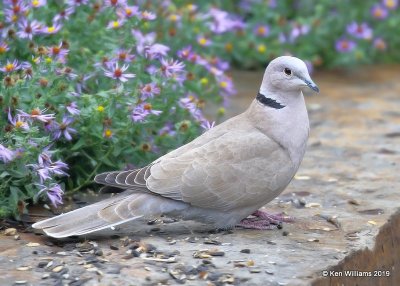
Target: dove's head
(288,74)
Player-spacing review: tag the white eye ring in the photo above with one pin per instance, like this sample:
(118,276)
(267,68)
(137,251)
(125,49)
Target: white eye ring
(287,71)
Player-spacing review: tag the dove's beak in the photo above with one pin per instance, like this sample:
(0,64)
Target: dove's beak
(311,85)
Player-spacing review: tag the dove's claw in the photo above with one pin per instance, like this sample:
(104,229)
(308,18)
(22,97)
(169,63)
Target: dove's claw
(273,218)
(256,224)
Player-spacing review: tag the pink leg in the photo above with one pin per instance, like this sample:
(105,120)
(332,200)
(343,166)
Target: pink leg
(254,224)
(263,220)
(273,218)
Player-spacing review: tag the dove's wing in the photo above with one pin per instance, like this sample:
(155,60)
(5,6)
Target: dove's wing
(225,168)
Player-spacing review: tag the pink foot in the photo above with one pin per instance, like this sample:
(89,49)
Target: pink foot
(263,220)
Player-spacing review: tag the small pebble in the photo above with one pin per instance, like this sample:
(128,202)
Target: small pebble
(255,270)
(42,264)
(10,231)
(57,269)
(114,247)
(45,276)
(98,252)
(17,237)
(285,233)
(23,268)
(246,250)
(20,282)
(33,244)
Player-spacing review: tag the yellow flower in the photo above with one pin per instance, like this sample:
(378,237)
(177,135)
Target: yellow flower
(48,60)
(223,84)
(108,133)
(100,108)
(202,41)
(229,47)
(173,17)
(204,81)
(35,3)
(19,124)
(261,48)
(115,24)
(390,4)
(51,29)
(221,111)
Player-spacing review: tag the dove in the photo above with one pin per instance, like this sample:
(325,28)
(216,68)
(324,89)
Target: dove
(221,178)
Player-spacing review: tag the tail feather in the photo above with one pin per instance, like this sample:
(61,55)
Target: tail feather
(116,210)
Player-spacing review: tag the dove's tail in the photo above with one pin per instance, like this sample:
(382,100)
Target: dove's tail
(118,209)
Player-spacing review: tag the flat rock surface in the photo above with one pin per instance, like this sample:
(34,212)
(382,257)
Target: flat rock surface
(345,191)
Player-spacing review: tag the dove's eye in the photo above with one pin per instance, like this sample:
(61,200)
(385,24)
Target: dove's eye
(287,71)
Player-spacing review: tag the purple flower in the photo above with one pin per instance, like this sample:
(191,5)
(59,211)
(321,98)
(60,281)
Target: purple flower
(72,108)
(74,3)
(207,125)
(226,85)
(63,15)
(3,47)
(28,29)
(149,90)
(190,103)
(203,41)
(261,30)
(361,31)
(380,44)
(115,24)
(143,40)
(222,21)
(146,15)
(53,29)
(379,12)
(128,12)
(59,53)
(38,3)
(117,73)
(63,129)
(156,51)
(344,45)
(10,66)
(37,114)
(390,4)
(46,168)
(115,3)
(141,111)
(6,155)
(125,56)
(17,121)
(171,67)
(297,31)
(53,192)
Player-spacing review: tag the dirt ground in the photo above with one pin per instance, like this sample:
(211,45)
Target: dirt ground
(344,193)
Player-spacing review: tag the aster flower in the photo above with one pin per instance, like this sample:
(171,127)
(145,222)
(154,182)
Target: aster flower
(128,12)
(10,66)
(125,55)
(171,67)
(390,4)
(380,44)
(72,108)
(222,21)
(6,155)
(46,168)
(115,72)
(378,11)
(115,24)
(3,47)
(261,30)
(156,51)
(37,114)
(74,3)
(63,15)
(149,90)
(107,133)
(226,85)
(115,3)
(185,52)
(38,3)
(190,103)
(141,111)
(297,31)
(53,192)
(361,31)
(344,45)
(17,121)
(146,15)
(28,29)
(66,71)
(203,41)
(53,29)
(143,40)
(63,129)
(207,125)
(59,53)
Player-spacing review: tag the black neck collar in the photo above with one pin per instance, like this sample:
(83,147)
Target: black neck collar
(269,101)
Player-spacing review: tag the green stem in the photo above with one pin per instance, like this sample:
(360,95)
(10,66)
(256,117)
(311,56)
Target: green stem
(89,178)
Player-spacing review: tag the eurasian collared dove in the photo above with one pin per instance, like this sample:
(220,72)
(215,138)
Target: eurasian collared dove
(221,177)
